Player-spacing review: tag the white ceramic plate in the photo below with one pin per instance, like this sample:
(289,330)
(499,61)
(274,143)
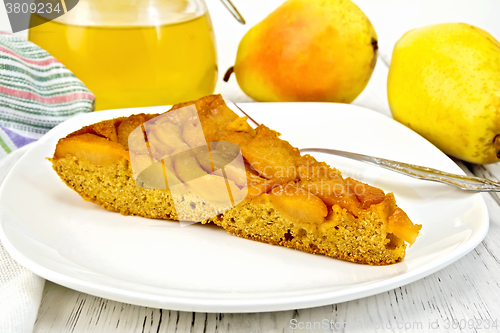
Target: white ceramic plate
(51,231)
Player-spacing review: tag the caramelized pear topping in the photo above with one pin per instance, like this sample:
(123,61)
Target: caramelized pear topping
(366,194)
(298,204)
(401,226)
(327,183)
(91,147)
(272,157)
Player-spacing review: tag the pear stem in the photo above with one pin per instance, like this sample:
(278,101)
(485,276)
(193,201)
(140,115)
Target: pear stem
(496,143)
(228,74)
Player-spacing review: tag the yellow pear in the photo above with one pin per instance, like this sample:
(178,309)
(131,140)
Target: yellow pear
(444,83)
(308,50)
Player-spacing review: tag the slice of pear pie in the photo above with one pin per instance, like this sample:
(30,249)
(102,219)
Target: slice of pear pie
(200,162)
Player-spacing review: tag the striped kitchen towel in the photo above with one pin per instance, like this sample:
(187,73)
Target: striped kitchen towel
(36,93)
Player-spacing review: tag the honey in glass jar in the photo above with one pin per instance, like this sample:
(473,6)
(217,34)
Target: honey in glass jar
(133,53)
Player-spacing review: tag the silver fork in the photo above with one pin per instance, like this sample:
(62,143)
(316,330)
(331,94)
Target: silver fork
(467,183)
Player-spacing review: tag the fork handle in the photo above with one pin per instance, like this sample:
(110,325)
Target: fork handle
(467,183)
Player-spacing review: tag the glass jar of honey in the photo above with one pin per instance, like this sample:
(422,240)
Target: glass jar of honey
(133,53)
